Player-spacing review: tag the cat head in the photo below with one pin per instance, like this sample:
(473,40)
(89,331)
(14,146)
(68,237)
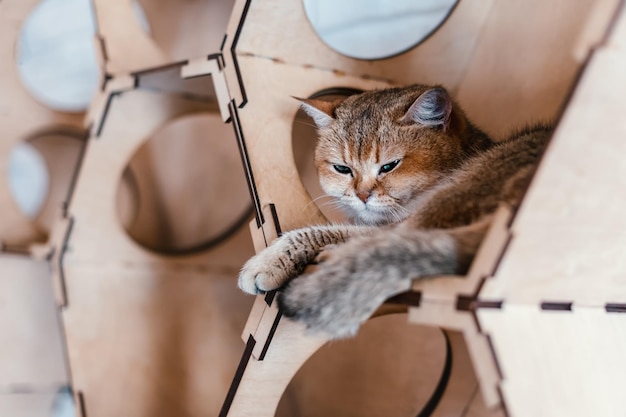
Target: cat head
(380,150)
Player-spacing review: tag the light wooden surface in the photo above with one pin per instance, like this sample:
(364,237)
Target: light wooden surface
(569,233)
(164,336)
(21,117)
(31,353)
(523,65)
(557,340)
(390,369)
(177,31)
(126,47)
(559,363)
(132,118)
(402,363)
(475,54)
(162,330)
(190,29)
(280,30)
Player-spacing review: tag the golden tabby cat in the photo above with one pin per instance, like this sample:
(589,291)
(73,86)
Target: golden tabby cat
(421,183)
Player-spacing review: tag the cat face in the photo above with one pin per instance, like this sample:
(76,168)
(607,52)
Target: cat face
(379,151)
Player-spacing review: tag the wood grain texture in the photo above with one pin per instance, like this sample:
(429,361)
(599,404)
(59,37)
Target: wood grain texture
(523,64)
(32,355)
(127,47)
(162,330)
(385,368)
(391,368)
(569,233)
(280,30)
(132,118)
(176,32)
(165,337)
(559,363)
(446,315)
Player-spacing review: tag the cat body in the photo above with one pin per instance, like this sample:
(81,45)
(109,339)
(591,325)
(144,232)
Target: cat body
(421,184)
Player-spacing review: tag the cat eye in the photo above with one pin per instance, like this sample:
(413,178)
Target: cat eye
(342,169)
(389,167)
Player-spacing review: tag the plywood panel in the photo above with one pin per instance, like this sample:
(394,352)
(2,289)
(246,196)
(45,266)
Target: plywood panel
(160,329)
(391,368)
(125,46)
(32,348)
(177,31)
(523,65)
(281,31)
(131,119)
(559,363)
(167,339)
(188,29)
(569,235)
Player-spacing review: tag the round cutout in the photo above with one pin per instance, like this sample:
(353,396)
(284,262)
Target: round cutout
(42,170)
(29,181)
(190,186)
(391,368)
(376,29)
(56,54)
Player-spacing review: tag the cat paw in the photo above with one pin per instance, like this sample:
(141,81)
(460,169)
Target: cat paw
(341,294)
(271,268)
(264,272)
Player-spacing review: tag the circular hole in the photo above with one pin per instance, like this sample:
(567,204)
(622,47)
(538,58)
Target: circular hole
(190,186)
(56,54)
(60,151)
(28,179)
(391,368)
(304,134)
(41,172)
(376,29)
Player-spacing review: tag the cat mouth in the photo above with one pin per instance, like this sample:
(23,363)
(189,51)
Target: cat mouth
(379,214)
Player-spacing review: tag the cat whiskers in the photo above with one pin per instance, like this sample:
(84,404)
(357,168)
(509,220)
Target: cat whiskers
(306,124)
(334,203)
(332,200)
(399,213)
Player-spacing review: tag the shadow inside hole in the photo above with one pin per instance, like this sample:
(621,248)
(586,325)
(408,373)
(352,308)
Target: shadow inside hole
(391,368)
(190,186)
(304,141)
(42,171)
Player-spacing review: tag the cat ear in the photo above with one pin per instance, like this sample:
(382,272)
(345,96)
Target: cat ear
(320,111)
(432,108)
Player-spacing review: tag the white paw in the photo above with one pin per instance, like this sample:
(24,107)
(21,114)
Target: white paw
(268,270)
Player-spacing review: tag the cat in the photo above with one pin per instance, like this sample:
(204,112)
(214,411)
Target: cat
(421,183)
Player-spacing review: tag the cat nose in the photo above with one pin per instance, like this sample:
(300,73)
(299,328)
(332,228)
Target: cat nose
(363,195)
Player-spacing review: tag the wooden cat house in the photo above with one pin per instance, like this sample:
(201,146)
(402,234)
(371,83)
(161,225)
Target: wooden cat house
(508,65)
(533,329)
